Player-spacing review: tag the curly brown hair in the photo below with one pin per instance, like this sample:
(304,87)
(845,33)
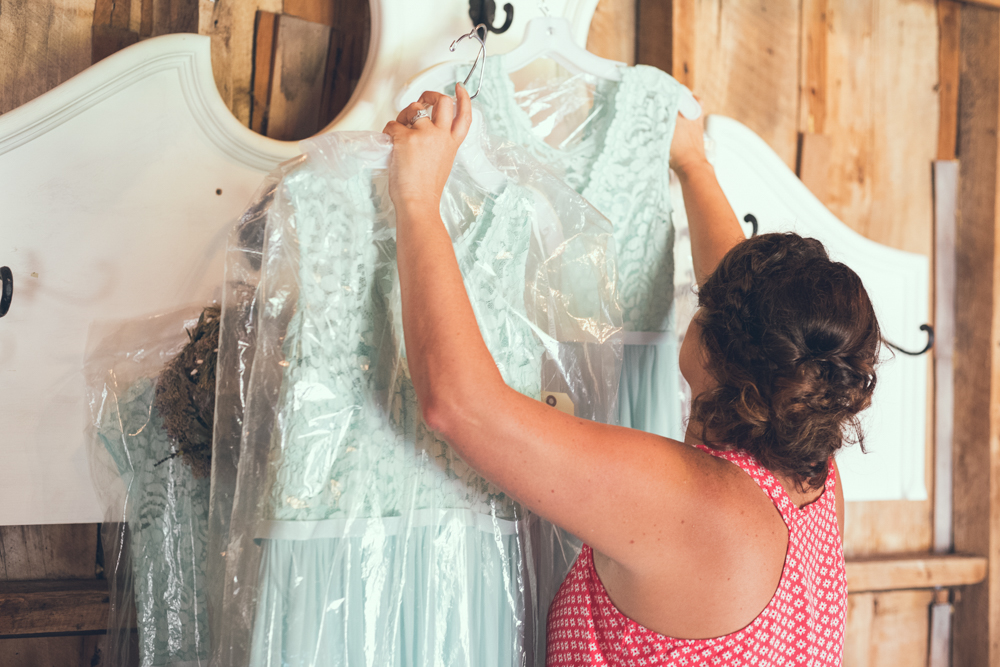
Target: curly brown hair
(792,341)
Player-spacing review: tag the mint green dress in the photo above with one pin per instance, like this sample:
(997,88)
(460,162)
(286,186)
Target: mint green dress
(166,512)
(618,161)
(358,536)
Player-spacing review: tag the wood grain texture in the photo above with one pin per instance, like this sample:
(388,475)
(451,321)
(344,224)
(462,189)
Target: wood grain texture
(813,163)
(949,33)
(975,520)
(41,45)
(265,32)
(112,30)
(173,16)
(814,69)
(58,551)
(655,33)
(232,35)
(613,30)
(85,651)
(300,59)
(746,66)
(905,120)
(53,606)
(899,572)
(349,41)
(317,11)
(893,526)
(887,629)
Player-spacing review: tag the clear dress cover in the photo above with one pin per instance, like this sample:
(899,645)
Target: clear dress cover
(357,536)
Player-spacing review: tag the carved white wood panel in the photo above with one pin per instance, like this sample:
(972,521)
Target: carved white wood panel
(757,181)
(109,187)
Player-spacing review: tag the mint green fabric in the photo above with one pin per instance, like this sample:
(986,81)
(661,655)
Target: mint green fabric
(618,161)
(166,512)
(358,536)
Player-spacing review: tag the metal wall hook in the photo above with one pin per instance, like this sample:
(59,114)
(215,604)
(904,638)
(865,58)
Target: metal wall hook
(6,290)
(752,219)
(483,12)
(930,342)
(480,58)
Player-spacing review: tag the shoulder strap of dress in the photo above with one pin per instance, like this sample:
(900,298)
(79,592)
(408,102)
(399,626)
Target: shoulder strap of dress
(768,483)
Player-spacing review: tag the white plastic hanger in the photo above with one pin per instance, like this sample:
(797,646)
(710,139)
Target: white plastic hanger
(544,37)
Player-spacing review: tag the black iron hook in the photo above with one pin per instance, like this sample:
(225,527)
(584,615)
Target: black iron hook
(7,293)
(750,218)
(485,11)
(930,342)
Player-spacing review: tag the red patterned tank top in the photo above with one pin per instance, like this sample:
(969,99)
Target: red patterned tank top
(803,624)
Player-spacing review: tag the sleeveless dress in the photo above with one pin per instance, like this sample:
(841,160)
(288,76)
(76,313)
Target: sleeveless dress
(618,161)
(167,515)
(803,624)
(378,544)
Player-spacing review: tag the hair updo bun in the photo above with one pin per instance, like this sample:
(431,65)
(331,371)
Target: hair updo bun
(792,340)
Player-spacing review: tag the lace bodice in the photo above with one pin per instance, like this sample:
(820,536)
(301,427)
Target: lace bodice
(618,162)
(349,441)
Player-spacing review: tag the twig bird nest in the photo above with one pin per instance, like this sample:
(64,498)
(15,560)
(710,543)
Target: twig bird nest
(185,394)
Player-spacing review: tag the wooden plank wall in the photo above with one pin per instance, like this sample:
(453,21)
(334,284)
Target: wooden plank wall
(847,93)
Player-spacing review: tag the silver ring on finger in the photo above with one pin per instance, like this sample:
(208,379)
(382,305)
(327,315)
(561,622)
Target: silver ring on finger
(423,113)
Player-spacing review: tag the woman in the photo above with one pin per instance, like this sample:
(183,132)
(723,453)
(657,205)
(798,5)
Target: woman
(686,560)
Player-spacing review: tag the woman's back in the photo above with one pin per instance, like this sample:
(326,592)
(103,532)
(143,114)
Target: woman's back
(802,621)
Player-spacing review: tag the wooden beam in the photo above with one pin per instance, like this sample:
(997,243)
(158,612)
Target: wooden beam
(263,69)
(297,75)
(976,438)
(39,607)
(949,27)
(665,37)
(893,573)
(813,103)
(612,30)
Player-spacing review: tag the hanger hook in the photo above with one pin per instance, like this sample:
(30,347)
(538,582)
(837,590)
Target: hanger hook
(930,342)
(482,13)
(6,289)
(480,57)
(751,219)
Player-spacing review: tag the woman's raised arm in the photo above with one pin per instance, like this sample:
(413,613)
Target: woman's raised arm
(595,480)
(713,225)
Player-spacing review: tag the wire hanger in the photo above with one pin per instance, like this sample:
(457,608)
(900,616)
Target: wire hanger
(480,60)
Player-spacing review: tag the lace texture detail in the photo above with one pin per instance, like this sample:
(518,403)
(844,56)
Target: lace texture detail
(167,515)
(349,441)
(619,164)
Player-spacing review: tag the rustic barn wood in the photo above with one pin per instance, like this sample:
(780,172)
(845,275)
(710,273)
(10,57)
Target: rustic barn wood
(977,427)
(899,572)
(613,30)
(265,34)
(112,28)
(949,65)
(297,73)
(41,45)
(53,606)
(85,651)
(55,551)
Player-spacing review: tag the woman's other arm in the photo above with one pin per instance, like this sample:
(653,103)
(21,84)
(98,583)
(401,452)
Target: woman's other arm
(713,225)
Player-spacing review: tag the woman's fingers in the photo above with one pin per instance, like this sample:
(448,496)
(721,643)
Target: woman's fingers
(463,115)
(444,112)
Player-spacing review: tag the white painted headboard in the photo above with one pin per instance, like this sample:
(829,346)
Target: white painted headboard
(120,187)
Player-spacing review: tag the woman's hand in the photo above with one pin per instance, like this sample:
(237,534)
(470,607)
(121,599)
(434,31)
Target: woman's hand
(688,145)
(423,151)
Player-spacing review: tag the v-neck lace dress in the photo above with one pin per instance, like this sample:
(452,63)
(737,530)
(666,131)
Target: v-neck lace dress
(378,544)
(619,164)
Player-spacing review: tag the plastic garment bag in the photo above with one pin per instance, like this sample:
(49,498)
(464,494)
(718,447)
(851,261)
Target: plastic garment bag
(357,536)
(610,140)
(155,532)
